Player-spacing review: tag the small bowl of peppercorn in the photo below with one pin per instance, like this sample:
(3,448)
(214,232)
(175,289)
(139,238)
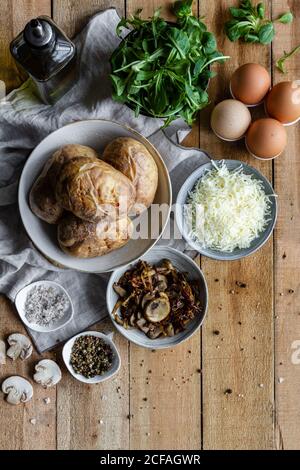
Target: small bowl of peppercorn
(91,357)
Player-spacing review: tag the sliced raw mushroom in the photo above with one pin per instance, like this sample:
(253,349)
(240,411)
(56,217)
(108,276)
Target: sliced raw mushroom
(47,373)
(17,389)
(20,346)
(119,290)
(2,352)
(158,309)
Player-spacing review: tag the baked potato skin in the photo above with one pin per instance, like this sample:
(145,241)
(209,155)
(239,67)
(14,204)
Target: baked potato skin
(42,197)
(132,158)
(42,201)
(83,239)
(94,190)
(67,153)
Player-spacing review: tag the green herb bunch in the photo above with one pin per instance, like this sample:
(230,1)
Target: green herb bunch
(248,23)
(162,69)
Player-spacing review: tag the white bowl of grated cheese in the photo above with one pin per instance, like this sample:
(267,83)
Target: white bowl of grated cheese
(44,306)
(226,210)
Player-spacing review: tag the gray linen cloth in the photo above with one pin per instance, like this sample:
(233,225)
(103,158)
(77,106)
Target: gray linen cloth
(24,122)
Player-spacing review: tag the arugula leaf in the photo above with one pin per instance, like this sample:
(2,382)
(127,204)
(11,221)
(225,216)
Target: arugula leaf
(179,40)
(260,8)
(198,67)
(118,85)
(162,69)
(238,12)
(122,24)
(286,18)
(266,33)
(209,43)
(249,24)
(183,8)
(250,37)
(280,63)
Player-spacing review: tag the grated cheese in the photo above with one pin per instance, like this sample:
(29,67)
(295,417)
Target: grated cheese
(227,209)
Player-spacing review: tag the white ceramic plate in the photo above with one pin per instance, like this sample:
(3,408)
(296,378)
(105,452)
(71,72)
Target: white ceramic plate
(20,306)
(184,264)
(97,134)
(66,353)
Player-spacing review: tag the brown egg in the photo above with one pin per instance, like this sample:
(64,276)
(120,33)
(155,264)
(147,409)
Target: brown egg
(230,120)
(250,83)
(283,102)
(266,138)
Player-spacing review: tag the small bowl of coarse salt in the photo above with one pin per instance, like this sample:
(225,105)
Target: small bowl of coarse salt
(44,306)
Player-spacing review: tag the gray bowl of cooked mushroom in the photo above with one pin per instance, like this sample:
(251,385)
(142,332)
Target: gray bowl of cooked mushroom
(160,301)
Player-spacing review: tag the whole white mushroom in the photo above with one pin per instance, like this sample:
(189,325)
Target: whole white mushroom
(20,346)
(47,373)
(17,389)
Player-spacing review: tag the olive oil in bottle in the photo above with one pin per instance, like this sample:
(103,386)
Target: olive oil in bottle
(48,56)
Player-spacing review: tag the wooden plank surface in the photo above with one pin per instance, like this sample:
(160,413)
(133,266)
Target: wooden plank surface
(19,432)
(14,15)
(72,15)
(155,402)
(92,417)
(287,253)
(237,411)
(165,387)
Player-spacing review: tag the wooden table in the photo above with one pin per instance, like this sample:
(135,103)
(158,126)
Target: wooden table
(233,385)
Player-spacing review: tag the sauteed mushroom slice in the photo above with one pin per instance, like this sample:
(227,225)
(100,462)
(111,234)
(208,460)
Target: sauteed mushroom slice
(170,330)
(146,298)
(132,319)
(166,267)
(162,283)
(143,326)
(118,319)
(155,331)
(119,290)
(157,309)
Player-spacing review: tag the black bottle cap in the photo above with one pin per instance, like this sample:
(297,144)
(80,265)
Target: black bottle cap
(38,33)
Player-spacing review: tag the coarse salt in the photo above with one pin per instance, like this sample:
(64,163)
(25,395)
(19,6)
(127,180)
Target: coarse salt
(44,306)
